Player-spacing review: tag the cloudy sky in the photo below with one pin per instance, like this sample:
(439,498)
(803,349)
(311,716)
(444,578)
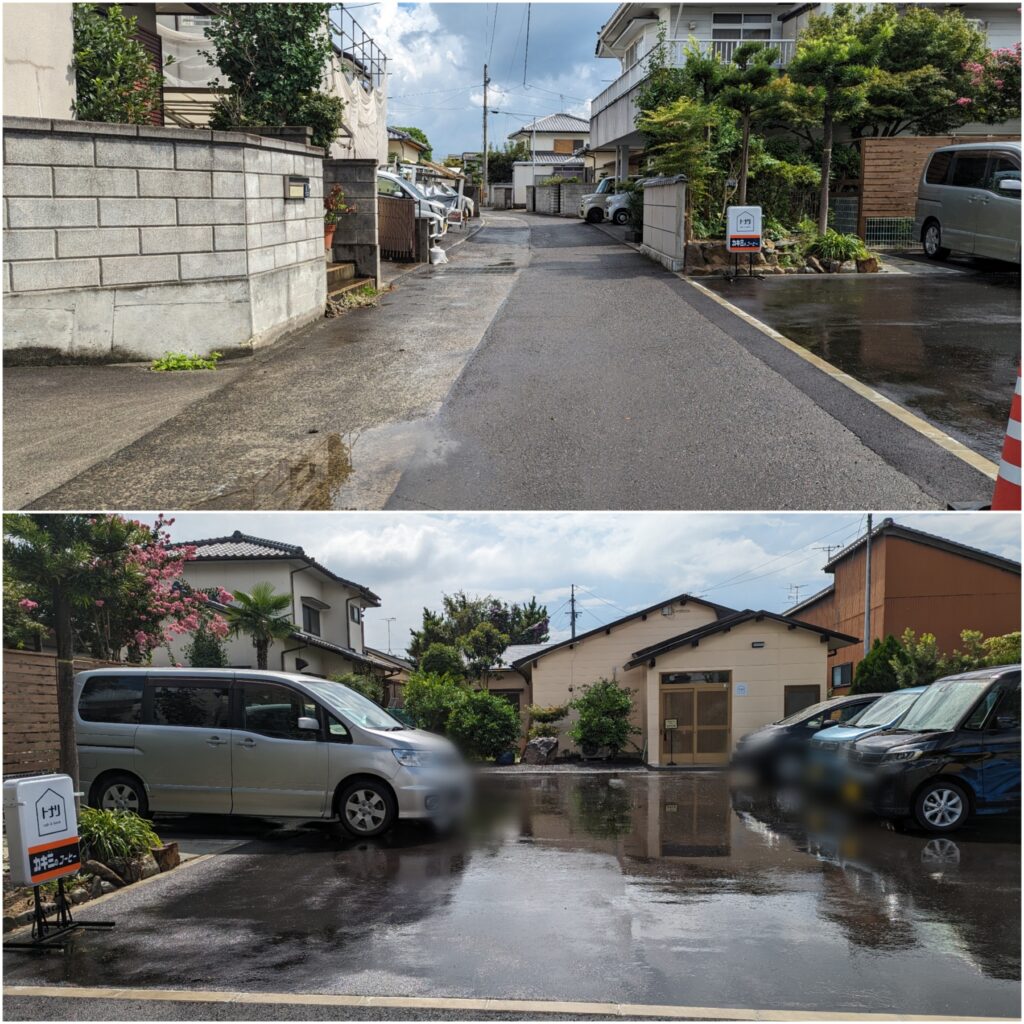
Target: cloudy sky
(621,561)
(436,53)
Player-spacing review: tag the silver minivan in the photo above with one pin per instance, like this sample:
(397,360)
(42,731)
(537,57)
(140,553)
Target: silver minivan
(268,744)
(969,201)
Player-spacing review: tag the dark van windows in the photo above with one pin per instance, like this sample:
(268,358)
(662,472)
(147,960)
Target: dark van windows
(202,707)
(969,170)
(112,699)
(938,169)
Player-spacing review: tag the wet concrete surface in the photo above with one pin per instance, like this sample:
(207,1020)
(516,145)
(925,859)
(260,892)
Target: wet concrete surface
(946,346)
(654,889)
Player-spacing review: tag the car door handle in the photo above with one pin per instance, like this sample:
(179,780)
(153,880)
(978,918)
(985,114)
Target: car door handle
(215,741)
(247,743)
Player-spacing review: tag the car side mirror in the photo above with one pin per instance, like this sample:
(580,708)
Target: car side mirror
(308,724)
(1009,185)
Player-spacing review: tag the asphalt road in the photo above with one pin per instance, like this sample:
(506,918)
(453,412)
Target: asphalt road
(648,890)
(545,366)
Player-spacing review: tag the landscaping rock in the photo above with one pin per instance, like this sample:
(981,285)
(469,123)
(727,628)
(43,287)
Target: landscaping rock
(869,265)
(135,869)
(106,887)
(813,263)
(833,267)
(79,895)
(694,256)
(167,857)
(96,887)
(541,750)
(105,874)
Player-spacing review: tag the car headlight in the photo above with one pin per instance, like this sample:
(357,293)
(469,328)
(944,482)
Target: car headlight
(411,758)
(902,755)
(827,745)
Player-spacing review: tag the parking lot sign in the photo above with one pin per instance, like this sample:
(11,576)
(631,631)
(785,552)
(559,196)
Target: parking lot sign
(42,828)
(743,229)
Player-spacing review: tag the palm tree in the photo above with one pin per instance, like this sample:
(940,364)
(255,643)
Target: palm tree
(258,614)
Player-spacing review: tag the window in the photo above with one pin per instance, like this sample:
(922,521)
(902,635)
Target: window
(355,613)
(273,710)
(695,677)
(387,187)
(741,26)
(969,170)
(977,717)
(512,696)
(842,675)
(1002,168)
(199,707)
(112,699)
(938,169)
(1007,715)
(796,698)
(337,731)
(311,620)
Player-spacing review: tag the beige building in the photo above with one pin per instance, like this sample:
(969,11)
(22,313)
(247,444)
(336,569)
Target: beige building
(702,674)
(403,148)
(326,608)
(39,80)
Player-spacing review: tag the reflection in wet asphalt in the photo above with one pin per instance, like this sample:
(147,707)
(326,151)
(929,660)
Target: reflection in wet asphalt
(945,347)
(666,889)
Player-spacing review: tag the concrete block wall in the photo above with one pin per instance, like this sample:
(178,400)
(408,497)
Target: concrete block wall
(546,199)
(125,241)
(664,222)
(355,238)
(569,200)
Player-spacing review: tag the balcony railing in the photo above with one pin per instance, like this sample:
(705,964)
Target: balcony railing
(356,48)
(676,49)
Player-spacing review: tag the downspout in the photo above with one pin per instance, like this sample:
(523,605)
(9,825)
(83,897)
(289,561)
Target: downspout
(291,584)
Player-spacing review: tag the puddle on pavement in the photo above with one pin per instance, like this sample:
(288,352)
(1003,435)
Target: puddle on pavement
(359,469)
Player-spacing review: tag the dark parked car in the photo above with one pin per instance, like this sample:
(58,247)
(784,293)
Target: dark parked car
(777,751)
(955,753)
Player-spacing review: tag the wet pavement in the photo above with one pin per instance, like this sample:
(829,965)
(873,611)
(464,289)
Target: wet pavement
(945,345)
(644,889)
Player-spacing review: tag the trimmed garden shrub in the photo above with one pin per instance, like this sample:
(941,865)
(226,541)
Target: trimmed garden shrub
(604,710)
(483,725)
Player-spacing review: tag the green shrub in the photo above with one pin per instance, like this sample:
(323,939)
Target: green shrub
(206,650)
(834,247)
(430,698)
(544,719)
(370,687)
(443,660)
(112,835)
(183,361)
(604,710)
(875,672)
(483,724)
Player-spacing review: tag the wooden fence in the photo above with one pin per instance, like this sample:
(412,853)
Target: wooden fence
(31,738)
(396,227)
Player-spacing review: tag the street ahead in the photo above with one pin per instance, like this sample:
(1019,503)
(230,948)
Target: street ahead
(545,366)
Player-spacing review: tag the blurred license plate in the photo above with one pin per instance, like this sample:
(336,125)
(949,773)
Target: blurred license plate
(852,791)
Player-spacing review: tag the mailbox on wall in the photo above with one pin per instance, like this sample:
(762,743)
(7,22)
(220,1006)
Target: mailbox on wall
(296,187)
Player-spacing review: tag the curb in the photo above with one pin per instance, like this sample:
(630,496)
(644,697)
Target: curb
(416,267)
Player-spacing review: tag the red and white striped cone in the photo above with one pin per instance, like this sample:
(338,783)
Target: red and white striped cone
(1007,492)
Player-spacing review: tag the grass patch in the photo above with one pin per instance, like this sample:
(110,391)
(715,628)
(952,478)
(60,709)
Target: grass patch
(108,835)
(183,361)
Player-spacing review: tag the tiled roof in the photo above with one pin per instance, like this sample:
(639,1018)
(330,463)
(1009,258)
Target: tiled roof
(551,158)
(242,547)
(399,136)
(555,123)
(346,652)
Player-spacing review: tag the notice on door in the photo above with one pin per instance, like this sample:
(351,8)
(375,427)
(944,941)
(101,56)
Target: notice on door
(671,723)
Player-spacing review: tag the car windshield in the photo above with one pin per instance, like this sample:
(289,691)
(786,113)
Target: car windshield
(884,711)
(353,706)
(943,705)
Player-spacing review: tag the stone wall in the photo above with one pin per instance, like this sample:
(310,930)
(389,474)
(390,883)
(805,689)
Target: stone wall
(125,242)
(569,200)
(546,199)
(355,238)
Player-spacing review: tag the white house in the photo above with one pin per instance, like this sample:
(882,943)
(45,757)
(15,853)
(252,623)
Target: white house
(631,34)
(326,608)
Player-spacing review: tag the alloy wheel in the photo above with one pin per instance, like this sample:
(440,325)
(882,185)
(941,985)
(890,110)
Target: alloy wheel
(932,239)
(120,797)
(365,810)
(942,807)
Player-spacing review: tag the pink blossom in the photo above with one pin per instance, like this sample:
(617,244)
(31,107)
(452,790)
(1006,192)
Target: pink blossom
(28,604)
(964,101)
(224,596)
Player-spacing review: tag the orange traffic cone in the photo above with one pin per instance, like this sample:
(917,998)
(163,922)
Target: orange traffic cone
(1007,492)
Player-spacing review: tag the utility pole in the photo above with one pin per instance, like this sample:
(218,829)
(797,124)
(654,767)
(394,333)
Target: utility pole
(828,549)
(794,592)
(483,195)
(389,621)
(867,589)
(572,608)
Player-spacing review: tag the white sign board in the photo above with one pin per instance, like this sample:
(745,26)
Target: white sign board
(42,828)
(741,690)
(671,723)
(743,228)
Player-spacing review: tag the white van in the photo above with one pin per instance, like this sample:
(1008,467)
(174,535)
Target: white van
(267,744)
(969,201)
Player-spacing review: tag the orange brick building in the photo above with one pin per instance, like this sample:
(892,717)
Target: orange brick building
(920,581)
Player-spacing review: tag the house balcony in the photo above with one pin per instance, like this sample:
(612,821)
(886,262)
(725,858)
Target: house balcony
(613,111)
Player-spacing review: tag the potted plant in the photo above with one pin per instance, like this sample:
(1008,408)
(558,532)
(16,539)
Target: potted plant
(335,208)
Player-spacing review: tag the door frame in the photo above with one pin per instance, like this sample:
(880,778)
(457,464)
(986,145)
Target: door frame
(693,758)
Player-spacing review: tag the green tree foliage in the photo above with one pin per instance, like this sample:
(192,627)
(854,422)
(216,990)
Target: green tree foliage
(258,613)
(604,710)
(421,137)
(275,58)
(115,80)
(370,687)
(429,699)
(875,672)
(544,720)
(483,724)
(22,631)
(500,161)
(206,650)
(829,77)
(483,646)
(443,660)
(916,660)
(525,623)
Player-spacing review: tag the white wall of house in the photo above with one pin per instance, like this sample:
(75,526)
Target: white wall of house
(38,50)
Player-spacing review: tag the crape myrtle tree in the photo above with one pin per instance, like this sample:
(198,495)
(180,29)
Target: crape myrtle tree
(275,58)
(105,586)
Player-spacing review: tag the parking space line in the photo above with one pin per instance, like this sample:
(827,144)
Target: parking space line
(894,409)
(522,1007)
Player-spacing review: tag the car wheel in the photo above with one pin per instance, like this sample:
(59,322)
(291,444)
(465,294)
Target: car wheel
(595,216)
(122,793)
(621,216)
(366,808)
(932,241)
(941,806)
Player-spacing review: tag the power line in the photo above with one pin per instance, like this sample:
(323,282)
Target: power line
(526,52)
(494,32)
(598,597)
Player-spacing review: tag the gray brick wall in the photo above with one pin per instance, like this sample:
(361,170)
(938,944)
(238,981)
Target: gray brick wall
(355,238)
(97,205)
